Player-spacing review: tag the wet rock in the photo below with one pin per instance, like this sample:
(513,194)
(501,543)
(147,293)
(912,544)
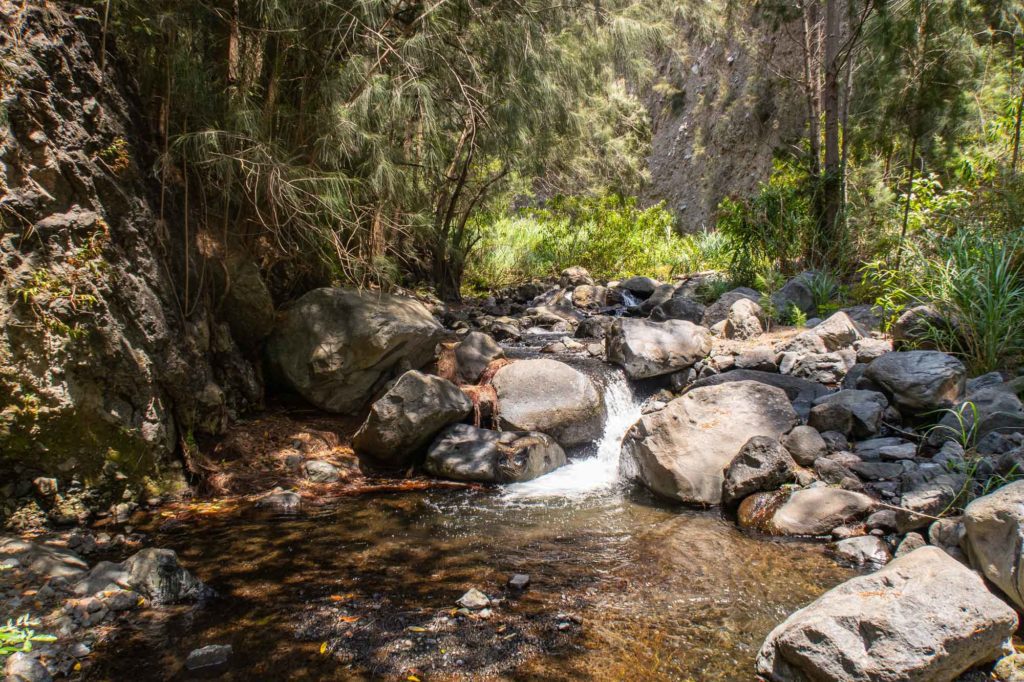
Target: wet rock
(993,532)
(466,453)
(574,276)
(280,500)
(473,354)
(504,331)
(550,397)
(208,656)
(320,471)
(817,510)
(641,287)
(761,465)
(850,412)
(719,310)
(866,549)
(919,381)
(157,575)
(744,320)
(406,418)
(22,667)
(922,617)
(681,451)
(474,600)
(648,349)
(337,347)
(805,444)
(662,294)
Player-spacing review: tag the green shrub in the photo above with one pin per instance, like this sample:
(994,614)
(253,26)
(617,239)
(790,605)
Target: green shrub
(18,635)
(976,282)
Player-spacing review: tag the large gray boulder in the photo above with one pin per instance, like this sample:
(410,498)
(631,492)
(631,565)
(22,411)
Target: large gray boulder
(157,575)
(801,392)
(680,452)
(575,276)
(919,381)
(744,320)
(996,408)
(922,617)
(805,445)
(839,331)
(719,310)
(851,412)
(648,349)
(338,347)
(823,368)
(405,419)
(550,397)
(679,307)
(639,286)
(473,354)
(762,464)
(466,453)
(994,537)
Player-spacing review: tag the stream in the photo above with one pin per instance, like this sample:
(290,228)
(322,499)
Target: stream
(623,586)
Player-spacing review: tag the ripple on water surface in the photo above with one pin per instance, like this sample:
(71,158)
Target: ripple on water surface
(662,593)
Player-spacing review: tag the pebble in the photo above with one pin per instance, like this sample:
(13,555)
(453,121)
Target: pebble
(474,599)
(208,656)
(519,581)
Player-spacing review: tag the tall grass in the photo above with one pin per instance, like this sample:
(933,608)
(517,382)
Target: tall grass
(610,236)
(975,280)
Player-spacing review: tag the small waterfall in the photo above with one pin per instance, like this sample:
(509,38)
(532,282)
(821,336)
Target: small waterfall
(629,299)
(598,473)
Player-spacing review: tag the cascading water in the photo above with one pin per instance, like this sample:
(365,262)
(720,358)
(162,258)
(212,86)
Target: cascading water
(598,473)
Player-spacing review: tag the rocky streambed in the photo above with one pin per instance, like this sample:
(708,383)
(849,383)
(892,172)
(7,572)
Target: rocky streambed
(638,486)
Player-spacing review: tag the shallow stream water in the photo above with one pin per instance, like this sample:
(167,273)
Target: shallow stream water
(623,587)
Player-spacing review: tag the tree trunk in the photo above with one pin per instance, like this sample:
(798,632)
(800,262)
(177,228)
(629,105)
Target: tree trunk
(234,38)
(1016,123)
(906,205)
(832,181)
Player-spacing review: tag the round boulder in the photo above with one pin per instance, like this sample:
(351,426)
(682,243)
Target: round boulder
(467,453)
(550,397)
(919,381)
(648,349)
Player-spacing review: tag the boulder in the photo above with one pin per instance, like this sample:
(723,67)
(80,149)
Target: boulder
(21,667)
(822,368)
(247,304)
(996,409)
(762,464)
(595,327)
(850,412)
(574,276)
(680,452)
(927,493)
(744,320)
(648,349)
(801,393)
(796,292)
(866,549)
(473,354)
(280,500)
(589,296)
(550,397)
(679,307)
(912,328)
(922,617)
(338,347)
(641,287)
(909,543)
(719,310)
(662,294)
(817,510)
(993,528)
(805,445)
(406,418)
(466,453)
(157,575)
(209,656)
(919,381)
(870,349)
(838,331)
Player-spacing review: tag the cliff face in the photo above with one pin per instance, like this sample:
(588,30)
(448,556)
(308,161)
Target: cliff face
(720,110)
(109,359)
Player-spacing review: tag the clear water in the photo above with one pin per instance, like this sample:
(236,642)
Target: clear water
(624,587)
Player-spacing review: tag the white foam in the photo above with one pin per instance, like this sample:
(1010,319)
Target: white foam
(594,475)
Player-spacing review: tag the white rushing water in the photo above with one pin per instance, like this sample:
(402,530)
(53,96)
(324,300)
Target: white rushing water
(596,474)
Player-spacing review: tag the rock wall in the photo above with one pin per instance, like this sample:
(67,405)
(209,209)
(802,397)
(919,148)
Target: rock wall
(720,109)
(108,359)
